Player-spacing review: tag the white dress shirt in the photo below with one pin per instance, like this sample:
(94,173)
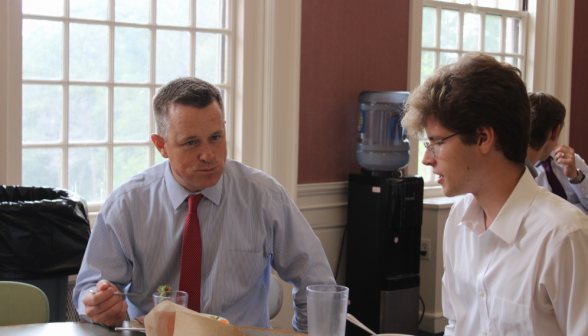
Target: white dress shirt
(525,275)
(249,224)
(577,193)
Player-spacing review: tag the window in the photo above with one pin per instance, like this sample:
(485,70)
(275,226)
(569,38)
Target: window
(90,69)
(451,28)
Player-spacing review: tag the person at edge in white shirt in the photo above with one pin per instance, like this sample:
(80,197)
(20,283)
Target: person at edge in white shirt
(548,115)
(248,222)
(514,254)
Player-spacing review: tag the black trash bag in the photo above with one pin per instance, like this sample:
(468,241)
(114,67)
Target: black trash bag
(43,232)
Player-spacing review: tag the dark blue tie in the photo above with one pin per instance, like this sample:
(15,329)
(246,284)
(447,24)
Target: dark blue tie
(556,186)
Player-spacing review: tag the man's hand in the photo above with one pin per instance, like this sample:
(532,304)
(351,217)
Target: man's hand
(105,307)
(565,156)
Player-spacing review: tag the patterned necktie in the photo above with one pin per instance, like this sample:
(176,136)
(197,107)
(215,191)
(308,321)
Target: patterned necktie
(190,266)
(556,186)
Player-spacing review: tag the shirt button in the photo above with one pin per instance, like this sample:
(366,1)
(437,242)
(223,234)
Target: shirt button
(482,295)
(484,333)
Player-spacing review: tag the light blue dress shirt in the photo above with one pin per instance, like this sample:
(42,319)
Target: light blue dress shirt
(577,194)
(248,223)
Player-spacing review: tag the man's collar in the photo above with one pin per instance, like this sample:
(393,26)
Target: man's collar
(509,219)
(178,194)
(506,225)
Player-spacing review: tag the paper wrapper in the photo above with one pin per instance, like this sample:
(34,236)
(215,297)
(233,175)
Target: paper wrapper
(170,319)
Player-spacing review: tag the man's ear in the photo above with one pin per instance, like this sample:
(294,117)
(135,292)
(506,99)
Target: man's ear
(486,139)
(555,133)
(159,143)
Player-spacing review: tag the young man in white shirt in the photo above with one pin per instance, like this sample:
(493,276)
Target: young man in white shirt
(559,168)
(514,254)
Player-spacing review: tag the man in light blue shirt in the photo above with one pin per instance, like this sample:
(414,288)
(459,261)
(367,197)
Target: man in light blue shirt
(248,223)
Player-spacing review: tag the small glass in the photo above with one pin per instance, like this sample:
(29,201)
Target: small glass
(177,297)
(327,310)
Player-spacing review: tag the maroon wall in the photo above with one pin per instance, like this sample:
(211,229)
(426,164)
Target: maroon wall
(579,99)
(347,46)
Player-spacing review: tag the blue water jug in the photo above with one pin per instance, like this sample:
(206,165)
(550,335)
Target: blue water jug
(381,140)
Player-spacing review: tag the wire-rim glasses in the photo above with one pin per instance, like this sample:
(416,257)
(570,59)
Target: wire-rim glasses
(429,145)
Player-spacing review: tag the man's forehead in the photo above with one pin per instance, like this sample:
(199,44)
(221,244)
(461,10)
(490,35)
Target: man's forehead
(434,129)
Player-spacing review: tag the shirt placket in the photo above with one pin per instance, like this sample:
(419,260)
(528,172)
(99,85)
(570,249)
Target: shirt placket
(484,257)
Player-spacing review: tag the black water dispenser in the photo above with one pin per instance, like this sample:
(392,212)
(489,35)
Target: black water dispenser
(384,222)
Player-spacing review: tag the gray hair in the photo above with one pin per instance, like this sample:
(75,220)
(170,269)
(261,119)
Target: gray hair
(187,91)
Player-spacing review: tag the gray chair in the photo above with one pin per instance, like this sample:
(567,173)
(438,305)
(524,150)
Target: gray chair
(22,303)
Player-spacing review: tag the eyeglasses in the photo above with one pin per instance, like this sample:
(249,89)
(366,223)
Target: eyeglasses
(429,145)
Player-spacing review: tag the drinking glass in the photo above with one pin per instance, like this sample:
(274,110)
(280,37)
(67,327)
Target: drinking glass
(327,310)
(177,297)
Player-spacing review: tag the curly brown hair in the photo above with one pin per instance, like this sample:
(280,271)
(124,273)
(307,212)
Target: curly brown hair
(546,114)
(474,92)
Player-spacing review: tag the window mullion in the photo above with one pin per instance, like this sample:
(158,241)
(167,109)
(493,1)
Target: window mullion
(460,24)
(110,113)
(482,30)
(65,118)
(192,38)
(503,37)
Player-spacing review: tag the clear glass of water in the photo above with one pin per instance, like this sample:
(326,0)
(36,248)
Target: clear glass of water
(177,297)
(327,310)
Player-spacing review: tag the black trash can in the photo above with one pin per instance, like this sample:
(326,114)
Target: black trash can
(43,237)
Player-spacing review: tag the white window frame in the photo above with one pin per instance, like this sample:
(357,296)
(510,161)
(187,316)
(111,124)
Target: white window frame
(110,84)
(266,88)
(548,50)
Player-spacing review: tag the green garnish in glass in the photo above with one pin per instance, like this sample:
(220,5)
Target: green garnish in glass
(163,289)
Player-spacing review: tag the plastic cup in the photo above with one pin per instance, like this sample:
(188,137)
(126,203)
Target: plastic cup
(177,297)
(327,310)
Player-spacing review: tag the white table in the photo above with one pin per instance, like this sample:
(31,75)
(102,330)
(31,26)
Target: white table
(89,329)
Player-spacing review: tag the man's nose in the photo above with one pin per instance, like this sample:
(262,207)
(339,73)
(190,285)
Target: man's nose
(207,155)
(428,158)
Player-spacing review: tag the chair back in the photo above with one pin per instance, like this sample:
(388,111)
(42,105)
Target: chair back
(275,297)
(22,303)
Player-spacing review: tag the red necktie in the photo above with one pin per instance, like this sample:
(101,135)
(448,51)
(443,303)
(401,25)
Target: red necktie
(191,255)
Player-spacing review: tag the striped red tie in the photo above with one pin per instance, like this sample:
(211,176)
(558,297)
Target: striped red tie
(191,255)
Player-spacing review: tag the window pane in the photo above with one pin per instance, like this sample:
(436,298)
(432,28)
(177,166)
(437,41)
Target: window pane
(43,7)
(135,11)
(424,171)
(513,35)
(492,33)
(131,55)
(448,36)
(173,55)
(87,113)
(128,162)
(87,173)
(157,156)
(429,24)
(88,9)
(42,110)
(465,2)
(427,64)
(210,13)
(173,12)
(446,58)
(210,57)
(509,4)
(471,31)
(42,49)
(514,61)
(42,167)
(88,52)
(131,114)
(487,3)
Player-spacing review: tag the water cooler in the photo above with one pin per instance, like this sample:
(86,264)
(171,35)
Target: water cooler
(384,222)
